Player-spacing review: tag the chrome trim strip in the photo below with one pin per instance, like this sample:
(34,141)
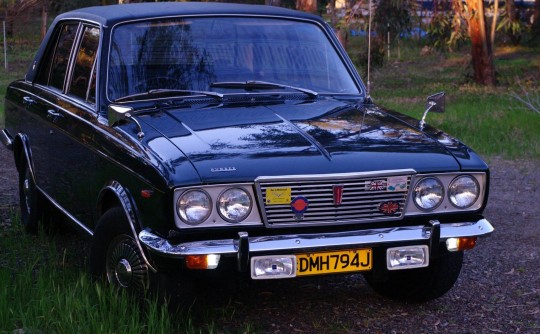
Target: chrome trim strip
(329,177)
(6,139)
(291,243)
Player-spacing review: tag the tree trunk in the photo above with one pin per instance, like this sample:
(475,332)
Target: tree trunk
(494,23)
(44,16)
(481,51)
(309,6)
(536,22)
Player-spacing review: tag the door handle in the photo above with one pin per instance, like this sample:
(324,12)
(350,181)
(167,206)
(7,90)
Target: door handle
(28,100)
(53,114)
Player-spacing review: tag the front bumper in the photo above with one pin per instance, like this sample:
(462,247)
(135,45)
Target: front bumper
(244,245)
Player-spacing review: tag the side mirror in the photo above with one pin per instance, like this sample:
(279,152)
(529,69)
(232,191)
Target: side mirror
(118,113)
(434,103)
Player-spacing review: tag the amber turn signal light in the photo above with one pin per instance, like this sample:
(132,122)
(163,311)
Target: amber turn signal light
(460,244)
(210,261)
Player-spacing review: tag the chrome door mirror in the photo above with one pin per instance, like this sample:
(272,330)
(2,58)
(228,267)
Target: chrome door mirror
(434,103)
(118,113)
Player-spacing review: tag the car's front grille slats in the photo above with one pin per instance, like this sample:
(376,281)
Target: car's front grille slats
(360,202)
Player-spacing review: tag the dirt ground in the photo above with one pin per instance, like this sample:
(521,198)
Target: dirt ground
(498,290)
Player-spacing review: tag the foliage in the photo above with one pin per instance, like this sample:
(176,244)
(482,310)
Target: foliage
(447,31)
(514,28)
(393,16)
(360,55)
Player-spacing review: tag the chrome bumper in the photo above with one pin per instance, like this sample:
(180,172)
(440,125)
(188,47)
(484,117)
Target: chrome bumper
(244,244)
(6,139)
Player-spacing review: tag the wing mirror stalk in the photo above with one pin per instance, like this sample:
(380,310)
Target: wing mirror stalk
(118,113)
(434,103)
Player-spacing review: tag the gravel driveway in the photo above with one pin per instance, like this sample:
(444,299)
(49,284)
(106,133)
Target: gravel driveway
(498,290)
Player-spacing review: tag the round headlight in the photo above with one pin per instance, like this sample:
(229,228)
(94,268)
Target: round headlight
(428,193)
(464,191)
(194,207)
(234,205)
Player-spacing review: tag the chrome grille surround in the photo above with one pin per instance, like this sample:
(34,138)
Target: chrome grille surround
(359,204)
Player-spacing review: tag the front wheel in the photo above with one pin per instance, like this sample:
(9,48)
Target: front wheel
(116,256)
(418,285)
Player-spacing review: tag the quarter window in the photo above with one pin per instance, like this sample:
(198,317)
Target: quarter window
(83,79)
(59,64)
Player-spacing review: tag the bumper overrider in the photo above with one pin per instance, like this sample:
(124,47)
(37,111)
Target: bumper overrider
(421,242)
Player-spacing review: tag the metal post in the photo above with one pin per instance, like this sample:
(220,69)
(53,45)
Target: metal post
(5,46)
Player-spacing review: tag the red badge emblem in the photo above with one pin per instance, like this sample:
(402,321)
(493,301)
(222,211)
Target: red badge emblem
(337,189)
(389,208)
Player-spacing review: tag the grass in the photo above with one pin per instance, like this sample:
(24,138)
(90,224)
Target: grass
(488,119)
(45,288)
(45,291)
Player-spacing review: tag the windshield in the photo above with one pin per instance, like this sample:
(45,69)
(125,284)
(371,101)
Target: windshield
(194,53)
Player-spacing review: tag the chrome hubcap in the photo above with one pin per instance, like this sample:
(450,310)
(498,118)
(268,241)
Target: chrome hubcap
(125,266)
(123,272)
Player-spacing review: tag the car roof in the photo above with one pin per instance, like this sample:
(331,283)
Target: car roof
(111,15)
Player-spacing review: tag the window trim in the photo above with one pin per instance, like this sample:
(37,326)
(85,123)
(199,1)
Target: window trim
(53,47)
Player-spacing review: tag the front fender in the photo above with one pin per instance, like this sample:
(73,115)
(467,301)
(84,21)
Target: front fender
(114,194)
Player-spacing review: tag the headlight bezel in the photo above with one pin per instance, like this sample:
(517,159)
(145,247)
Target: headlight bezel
(215,220)
(446,206)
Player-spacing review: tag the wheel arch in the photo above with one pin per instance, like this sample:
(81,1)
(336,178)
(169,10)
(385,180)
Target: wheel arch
(23,154)
(116,195)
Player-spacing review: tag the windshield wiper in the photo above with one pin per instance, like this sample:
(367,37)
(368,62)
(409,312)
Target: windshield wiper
(256,84)
(170,92)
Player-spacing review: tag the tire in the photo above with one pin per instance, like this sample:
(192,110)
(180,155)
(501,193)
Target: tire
(115,255)
(418,285)
(29,201)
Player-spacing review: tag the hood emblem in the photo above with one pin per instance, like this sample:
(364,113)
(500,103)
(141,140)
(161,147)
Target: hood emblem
(337,190)
(389,208)
(223,169)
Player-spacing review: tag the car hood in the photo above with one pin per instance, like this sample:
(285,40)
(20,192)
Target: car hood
(240,142)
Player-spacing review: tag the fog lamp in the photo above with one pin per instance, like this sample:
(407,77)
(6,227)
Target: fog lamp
(272,267)
(407,257)
(460,244)
(210,261)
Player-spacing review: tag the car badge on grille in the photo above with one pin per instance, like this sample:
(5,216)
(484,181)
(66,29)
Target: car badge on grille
(337,190)
(299,205)
(377,185)
(389,208)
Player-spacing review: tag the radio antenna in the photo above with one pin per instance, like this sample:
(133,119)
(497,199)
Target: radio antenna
(369,51)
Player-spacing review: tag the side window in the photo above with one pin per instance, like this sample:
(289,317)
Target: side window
(82,83)
(55,63)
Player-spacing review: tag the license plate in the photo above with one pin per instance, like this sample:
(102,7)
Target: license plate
(333,262)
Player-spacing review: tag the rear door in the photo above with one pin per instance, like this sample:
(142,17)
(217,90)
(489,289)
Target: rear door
(68,105)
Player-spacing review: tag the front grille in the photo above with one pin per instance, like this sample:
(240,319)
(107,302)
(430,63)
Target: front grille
(363,199)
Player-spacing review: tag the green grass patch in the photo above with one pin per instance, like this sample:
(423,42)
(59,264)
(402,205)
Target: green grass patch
(45,291)
(45,288)
(488,119)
